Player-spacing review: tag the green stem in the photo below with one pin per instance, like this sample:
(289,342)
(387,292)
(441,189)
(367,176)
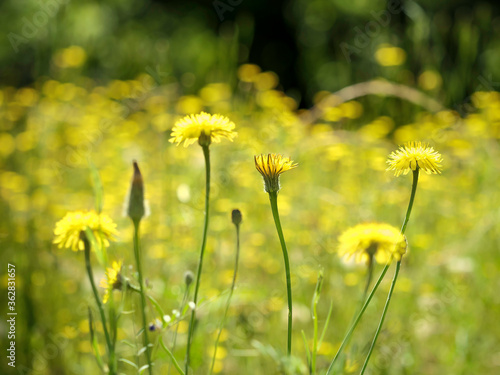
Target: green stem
(181,308)
(379,328)
(273,198)
(398,266)
(174,361)
(143,296)
(206,154)
(358,318)
(368,276)
(229,297)
(111,354)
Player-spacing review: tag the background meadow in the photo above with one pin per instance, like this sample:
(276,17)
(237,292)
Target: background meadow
(104,82)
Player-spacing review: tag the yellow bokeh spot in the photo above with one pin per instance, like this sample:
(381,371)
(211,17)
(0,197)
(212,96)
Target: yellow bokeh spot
(266,81)
(26,141)
(248,72)
(429,80)
(388,55)
(7,144)
(189,104)
(351,279)
(71,57)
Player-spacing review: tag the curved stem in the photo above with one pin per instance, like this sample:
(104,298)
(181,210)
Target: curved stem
(143,296)
(273,197)
(398,266)
(229,297)
(174,361)
(112,367)
(206,154)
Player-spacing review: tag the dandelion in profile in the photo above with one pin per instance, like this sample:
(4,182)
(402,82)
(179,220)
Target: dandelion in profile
(68,229)
(413,156)
(112,280)
(204,128)
(271,167)
(378,241)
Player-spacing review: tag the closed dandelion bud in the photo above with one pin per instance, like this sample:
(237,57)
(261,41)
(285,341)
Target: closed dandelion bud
(236,217)
(188,277)
(136,208)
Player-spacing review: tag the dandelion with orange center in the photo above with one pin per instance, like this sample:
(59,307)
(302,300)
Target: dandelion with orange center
(413,156)
(112,280)
(68,229)
(204,128)
(271,167)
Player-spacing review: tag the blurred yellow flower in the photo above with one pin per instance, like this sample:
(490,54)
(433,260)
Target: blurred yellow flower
(112,280)
(67,231)
(378,240)
(270,167)
(203,127)
(388,55)
(413,156)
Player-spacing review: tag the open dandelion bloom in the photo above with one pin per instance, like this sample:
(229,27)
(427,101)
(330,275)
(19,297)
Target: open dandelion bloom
(270,167)
(415,155)
(378,240)
(204,128)
(68,229)
(112,280)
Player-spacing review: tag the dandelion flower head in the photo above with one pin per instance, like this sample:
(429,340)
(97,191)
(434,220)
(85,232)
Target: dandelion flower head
(270,167)
(378,240)
(204,128)
(415,155)
(112,280)
(68,229)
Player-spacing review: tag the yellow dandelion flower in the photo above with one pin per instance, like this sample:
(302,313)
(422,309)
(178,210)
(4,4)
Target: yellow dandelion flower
(378,240)
(270,167)
(204,128)
(67,230)
(112,280)
(413,156)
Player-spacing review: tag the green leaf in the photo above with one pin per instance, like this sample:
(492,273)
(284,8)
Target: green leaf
(99,250)
(143,368)
(129,363)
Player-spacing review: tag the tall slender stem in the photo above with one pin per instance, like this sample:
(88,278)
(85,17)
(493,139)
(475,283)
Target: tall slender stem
(143,296)
(396,273)
(273,198)
(384,271)
(110,348)
(206,154)
(358,318)
(229,297)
